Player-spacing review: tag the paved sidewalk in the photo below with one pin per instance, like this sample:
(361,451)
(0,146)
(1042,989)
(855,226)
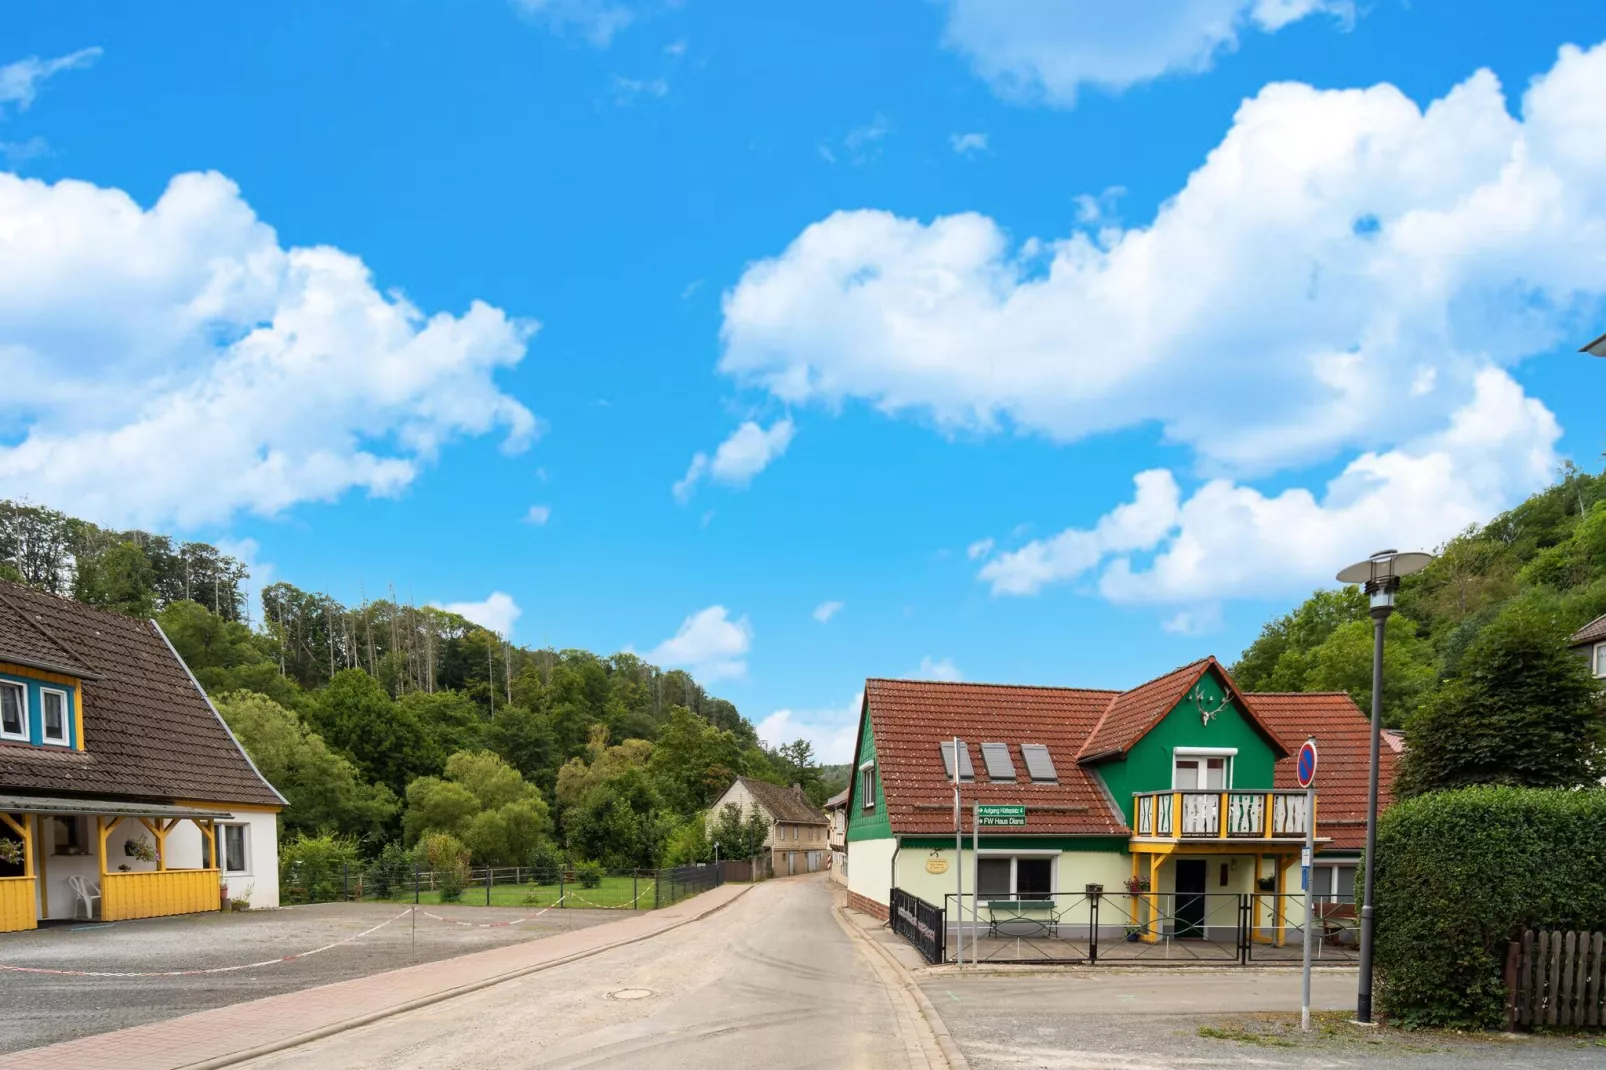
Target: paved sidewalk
(230,1034)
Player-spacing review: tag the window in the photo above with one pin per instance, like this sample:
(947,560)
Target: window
(1600,659)
(1333,883)
(1039,766)
(13,710)
(54,703)
(1000,766)
(1202,770)
(966,770)
(233,844)
(69,836)
(867,785)
(1004,877)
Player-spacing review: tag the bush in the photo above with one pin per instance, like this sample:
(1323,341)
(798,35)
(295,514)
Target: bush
(589,874)
(314,868)
(392,872)
(1459,873)
(546,862)
(447,857)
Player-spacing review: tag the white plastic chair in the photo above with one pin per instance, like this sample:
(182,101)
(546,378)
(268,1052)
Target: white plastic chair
(87,892)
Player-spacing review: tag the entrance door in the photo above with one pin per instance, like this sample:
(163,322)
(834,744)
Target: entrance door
(1190,908)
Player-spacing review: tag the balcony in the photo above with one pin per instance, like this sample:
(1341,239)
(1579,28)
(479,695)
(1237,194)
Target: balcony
(1219,815)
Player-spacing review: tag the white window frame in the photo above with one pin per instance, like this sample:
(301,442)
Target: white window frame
(1229,753)
(868,802)
(26,713)
(66,717)
(1600,660)
(222,853)
(1332,895)
(1014,856)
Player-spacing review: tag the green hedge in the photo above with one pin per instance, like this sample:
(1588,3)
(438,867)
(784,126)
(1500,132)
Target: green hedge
(1458,872)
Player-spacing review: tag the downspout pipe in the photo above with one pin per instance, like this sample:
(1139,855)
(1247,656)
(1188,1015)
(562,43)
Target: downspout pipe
(892,882)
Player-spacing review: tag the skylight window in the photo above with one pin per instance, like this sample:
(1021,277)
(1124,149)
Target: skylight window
(1000,766)
(1039,766)
(966,770)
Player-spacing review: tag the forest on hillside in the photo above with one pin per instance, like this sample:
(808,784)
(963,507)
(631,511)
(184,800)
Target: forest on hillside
(391,727)
(1537,571)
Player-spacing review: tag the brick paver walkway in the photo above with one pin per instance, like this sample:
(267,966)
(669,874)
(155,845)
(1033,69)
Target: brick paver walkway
(230,1034)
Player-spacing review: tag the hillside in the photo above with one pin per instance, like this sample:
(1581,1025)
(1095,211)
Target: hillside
(1547,555)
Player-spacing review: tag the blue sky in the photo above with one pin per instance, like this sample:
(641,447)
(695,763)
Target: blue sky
(1052,343)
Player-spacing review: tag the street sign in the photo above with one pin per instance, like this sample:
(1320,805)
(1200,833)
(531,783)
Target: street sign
(1306,763)
(1001,815)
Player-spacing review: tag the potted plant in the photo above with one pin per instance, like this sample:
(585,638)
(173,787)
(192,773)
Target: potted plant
(1133,932)
(11,852)
(1136,886)
(1267,884)
(139,848)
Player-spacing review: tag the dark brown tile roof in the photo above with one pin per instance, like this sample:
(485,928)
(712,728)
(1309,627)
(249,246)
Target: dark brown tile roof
(1343,750)
(25,641)
(1593,632)
(785,804)
(910,718)
(1132,714)
(149,732)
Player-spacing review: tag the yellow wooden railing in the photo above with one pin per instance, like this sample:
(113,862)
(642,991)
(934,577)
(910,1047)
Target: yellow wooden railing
(158,893)
(17,904)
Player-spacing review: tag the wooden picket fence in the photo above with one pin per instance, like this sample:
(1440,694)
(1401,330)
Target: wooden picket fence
(1556,980)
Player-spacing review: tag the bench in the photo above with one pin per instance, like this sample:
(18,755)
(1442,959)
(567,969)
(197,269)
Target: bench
(1038,912)
(1337,922)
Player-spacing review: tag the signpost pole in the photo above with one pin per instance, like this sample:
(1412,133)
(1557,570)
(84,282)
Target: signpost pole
(959,867)
(1307,775)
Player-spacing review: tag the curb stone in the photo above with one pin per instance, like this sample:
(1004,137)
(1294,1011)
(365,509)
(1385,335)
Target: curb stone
(939,1028)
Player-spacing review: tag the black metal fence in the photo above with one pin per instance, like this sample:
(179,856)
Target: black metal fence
(569,886)
(920,923)
(672,885)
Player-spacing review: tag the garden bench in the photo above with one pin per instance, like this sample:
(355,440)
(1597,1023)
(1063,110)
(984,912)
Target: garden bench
(1039,912)
(1337,921)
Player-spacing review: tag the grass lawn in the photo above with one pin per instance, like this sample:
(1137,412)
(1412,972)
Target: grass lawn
(612,892)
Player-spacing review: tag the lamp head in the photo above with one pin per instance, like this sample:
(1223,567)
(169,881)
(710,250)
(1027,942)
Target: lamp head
(1379,575)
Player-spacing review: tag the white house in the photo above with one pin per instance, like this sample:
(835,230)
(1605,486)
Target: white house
(836,808)
(122,792)
(797,828)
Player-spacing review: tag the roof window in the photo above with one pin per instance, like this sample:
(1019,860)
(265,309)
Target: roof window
(1000,766)
(966,770)
(1039,766)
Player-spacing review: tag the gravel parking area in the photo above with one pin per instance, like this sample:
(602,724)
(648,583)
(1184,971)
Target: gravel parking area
(45,1008)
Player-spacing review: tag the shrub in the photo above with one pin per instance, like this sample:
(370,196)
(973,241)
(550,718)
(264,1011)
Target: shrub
(314,868)
(444,855)
(391,873)
(589,874)
(546,862)
(1459,873)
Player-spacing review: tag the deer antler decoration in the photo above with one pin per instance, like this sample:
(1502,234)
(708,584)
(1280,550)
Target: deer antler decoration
(1201,702)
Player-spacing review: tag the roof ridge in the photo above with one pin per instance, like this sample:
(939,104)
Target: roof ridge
(1278,694)
(986,683)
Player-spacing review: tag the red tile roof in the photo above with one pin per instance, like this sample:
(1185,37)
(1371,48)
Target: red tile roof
(1344,754)
(1132,714)
(1592,632)
(910,718)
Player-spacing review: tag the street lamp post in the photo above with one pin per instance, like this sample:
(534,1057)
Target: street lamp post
(1379,576)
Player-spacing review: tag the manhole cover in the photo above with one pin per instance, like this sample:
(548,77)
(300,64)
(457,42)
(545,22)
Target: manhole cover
(631,993)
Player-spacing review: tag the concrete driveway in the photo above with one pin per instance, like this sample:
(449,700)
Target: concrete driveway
(47,1008)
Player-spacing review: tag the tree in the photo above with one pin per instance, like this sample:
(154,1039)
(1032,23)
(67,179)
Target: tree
(797,766)
(323,789)
(524,739)
(120,579)
(452,721)
(621,822)
(739,835)
(482,801)
(1525,711)
(356,716)
(1343,662)
(693,762)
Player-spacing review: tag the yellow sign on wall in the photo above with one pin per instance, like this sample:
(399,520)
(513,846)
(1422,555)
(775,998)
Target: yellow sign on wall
(936,865)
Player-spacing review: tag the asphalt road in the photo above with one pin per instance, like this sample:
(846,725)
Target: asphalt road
(1132,1019)
(770,981)
(46,1008)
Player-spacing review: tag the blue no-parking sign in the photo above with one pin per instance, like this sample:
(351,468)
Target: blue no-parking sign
(1306,763)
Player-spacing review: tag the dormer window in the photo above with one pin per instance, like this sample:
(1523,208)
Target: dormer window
(13,710)
(967,772)
(54,706)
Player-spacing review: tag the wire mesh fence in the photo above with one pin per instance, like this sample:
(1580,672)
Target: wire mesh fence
(571,886)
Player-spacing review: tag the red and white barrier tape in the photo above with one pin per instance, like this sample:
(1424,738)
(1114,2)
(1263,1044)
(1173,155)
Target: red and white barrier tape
(491,924)
(215,969)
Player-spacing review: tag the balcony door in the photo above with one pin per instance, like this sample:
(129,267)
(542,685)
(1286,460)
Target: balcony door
(1200,772)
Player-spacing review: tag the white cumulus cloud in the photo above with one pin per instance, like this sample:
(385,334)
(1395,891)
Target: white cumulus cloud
(595,20)
(708,644)
(826,610)
(1037,50)
(175,364)
(833,732)
(980,548)
(1346,277)
(968,144)
(497,611)
(20,81)
(942,669)
(746,453)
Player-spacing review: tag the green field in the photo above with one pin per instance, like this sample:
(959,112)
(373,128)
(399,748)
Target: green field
(612,892)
